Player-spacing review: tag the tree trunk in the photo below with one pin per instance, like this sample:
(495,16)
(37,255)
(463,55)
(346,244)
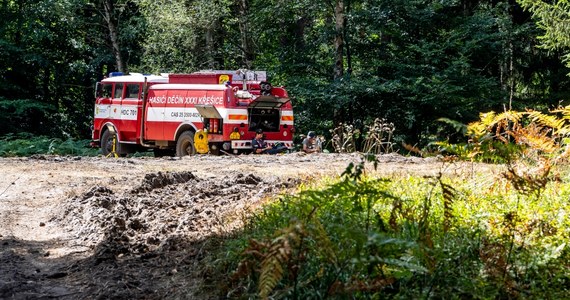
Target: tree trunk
(210,46)
(248,55)
(339,38)
(346,40)
(108,8)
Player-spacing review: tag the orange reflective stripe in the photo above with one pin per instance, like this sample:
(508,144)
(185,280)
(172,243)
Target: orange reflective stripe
(287,118)
(237,117)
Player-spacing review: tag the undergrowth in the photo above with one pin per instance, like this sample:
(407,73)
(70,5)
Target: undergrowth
(27,144)
(403,238)
(474,236)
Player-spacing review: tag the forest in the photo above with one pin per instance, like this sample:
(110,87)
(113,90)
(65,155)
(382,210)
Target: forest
(486,82)
(409,63)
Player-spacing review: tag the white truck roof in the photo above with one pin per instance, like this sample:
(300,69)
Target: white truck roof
(137,77)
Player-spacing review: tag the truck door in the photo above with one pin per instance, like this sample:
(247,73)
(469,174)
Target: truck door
(118,89)
(130,106)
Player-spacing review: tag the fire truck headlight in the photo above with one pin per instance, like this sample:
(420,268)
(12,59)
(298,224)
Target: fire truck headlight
(284,133)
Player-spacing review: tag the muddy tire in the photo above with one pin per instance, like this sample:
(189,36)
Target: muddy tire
(185,144)
(107,140)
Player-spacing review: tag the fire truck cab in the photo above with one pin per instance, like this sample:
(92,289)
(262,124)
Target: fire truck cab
(186,114)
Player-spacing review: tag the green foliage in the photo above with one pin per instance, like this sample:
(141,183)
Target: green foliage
(408,62)
(24,115)
(404,238)
(167,49)
(26,145)
(443,63)
(326,252)
(46,60)
(553,18)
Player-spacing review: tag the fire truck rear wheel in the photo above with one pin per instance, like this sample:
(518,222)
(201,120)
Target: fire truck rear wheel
(185,144)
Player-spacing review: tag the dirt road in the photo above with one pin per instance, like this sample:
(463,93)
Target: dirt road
(135,228)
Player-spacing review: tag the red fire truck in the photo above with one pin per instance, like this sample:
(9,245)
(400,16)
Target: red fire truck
(186,114)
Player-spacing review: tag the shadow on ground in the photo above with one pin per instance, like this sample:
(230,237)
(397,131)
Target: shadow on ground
(145,243)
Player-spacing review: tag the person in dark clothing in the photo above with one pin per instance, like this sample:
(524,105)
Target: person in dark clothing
(261,147)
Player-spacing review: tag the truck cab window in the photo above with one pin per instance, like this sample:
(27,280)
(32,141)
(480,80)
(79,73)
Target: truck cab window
(106,90)
(118,91)
(133,90)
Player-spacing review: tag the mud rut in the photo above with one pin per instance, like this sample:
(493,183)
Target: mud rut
(98,228)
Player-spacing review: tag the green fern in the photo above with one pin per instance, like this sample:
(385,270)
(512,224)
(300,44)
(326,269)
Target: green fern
(449,194)
(272,267)
(279,254)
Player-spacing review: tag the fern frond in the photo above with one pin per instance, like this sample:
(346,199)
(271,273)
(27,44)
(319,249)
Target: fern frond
(458,126)
(477,130)
(547,120)
(488,119)
(272,267)
(279,254)
(449,194)
(565,111)
(326,247)
(536,138)
(510,116)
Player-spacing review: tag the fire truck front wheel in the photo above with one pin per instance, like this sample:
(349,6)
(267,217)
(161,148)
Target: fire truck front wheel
(110,144)
(185,144)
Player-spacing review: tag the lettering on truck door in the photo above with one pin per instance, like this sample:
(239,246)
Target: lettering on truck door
(173,112)
(191,114)
(154,129)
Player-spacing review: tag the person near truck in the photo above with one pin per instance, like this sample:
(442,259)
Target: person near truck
(311,143)
(260,146)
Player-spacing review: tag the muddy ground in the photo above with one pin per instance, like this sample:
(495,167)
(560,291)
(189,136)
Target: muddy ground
(138,228)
